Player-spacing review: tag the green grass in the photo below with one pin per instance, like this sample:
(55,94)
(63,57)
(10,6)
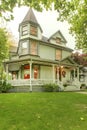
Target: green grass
(43,111)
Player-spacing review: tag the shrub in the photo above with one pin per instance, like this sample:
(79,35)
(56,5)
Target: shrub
(65,85)
(83,86)
(50,87)
(4,86)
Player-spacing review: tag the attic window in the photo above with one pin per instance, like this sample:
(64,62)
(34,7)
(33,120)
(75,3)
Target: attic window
(24,30)
(33,30)
(58,40)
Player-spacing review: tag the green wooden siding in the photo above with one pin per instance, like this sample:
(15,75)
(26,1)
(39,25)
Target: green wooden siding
(46,72)
(65,54)
(46,52)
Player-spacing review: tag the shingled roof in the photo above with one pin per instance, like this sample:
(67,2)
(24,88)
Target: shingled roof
(30,17)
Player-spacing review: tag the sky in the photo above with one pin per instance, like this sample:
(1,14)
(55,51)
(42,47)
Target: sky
(46,19)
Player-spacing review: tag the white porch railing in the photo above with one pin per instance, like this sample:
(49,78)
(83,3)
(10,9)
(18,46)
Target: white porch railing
(25,82)
(37,82)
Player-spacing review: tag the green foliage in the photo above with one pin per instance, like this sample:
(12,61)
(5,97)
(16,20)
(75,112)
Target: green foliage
(4,86)
(65,85)
(2,73)
(3,45)
(75,12)
(83,86)
(50,87)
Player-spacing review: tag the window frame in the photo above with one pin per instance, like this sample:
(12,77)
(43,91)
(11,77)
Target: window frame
(33,30)
(24,48)
(33,51)
(25,30)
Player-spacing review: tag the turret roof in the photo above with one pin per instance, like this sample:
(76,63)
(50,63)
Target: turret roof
(30,17)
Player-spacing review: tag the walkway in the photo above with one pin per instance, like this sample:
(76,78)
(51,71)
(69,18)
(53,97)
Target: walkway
(82,92)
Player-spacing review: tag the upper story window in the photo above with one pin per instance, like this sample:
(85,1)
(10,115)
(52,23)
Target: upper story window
(58,40)
(33,48)
(58,54)
(24,30)
(33,30)
(24,47)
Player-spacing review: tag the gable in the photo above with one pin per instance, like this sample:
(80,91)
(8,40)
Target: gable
(68,61)
(58,38)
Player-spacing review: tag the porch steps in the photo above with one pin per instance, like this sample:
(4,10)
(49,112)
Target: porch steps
(72,88)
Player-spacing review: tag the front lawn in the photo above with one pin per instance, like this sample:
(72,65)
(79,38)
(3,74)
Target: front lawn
(43,111)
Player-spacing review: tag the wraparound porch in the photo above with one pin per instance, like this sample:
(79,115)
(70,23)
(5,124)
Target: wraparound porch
(36,73)
(35,84)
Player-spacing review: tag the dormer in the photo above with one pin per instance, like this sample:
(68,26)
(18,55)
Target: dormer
(29,27)
(58,39)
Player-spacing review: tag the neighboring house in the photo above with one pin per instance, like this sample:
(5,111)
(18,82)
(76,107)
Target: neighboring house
(39,59)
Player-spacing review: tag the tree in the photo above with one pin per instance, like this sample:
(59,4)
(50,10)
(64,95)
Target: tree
(81,59)
(6,41)
(74,11)
(3,51)
(3,45)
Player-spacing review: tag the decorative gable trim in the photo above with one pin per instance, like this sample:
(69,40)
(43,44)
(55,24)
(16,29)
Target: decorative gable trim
(68,61)
(58,37)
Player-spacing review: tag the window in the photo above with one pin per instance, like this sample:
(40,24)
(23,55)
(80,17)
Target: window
(14,75)
(33,30)
(26,72)
(58,40)
(33,48)
(58,54)
(36,72)
(24,29)
(24,47)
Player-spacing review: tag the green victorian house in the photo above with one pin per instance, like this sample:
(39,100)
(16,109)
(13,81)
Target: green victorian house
(39,59)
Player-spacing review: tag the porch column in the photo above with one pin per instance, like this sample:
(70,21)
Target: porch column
(78,73)
(30,76)
(74,73)
(58,74)
(53,73)
(19,74)
(7,72)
